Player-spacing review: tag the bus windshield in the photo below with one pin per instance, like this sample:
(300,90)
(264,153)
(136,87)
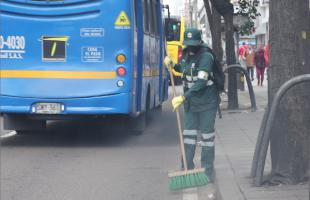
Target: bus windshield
(172,29)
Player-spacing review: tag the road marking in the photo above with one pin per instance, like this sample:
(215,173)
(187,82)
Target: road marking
(10,134)
(190,194)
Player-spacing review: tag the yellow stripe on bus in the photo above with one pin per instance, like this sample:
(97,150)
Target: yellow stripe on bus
(57,74)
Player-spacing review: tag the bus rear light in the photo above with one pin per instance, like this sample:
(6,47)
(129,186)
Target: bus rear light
(121,58)
(121,71)
(180,54)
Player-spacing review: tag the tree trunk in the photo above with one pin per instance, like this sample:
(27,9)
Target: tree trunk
(231,59)
(214,19)
(226,9)
(289,57)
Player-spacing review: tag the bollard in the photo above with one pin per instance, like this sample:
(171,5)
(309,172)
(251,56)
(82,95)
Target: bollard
(249,82)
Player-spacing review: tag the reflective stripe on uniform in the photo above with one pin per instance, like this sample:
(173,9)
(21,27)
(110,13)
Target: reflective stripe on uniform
(209,82)
(207,136)
(189,78)
(190,85)
(206,144)
(189,141)
(203,75)
(190,132)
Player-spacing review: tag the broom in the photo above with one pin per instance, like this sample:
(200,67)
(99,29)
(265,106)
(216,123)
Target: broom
(186,178)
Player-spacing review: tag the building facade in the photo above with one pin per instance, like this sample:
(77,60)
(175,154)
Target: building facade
(203,25)
(262,23)
(176,7)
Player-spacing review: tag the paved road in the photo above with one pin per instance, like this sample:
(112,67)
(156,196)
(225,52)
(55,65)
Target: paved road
(79,161)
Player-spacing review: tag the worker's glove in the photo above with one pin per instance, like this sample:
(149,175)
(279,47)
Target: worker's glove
(175,73)
(168,62)
(177,101)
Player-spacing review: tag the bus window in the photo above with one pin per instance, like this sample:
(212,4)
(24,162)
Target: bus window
(173,29)
(151,16)
(145,16)
(155,15)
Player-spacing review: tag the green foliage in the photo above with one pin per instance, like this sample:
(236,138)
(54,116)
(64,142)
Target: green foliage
(247,28)
(248,8)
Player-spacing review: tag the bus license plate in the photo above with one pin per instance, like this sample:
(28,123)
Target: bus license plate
(48,108)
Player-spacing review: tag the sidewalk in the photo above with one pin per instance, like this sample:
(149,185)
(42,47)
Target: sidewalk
(235,145)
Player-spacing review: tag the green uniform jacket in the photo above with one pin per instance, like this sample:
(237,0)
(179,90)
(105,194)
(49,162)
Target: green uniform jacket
(200,94)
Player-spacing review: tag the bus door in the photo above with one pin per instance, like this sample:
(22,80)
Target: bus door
(162,54)
(154,49)
(146,51)
(137,58)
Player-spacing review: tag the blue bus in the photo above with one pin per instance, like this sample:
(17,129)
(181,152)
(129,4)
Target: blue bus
(67,59)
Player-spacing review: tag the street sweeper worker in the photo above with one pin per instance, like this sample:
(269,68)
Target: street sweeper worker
(200,99)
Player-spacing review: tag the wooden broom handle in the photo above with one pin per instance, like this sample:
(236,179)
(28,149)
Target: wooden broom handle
(179,121)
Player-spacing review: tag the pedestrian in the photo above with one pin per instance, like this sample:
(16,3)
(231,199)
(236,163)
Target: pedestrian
(260,64)
(242,59)
(200,99)
(249,55)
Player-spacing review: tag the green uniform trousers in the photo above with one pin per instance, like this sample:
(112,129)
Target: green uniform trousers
(200,122)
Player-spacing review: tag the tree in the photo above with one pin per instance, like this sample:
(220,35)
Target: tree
(248,9)
(214,19)
(289,57)
(225,8)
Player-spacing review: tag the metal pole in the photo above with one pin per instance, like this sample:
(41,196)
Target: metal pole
(190,13)
(259,143)
(195,12)
(249,83)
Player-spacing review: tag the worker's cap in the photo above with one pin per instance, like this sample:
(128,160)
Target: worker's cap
(192,37)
